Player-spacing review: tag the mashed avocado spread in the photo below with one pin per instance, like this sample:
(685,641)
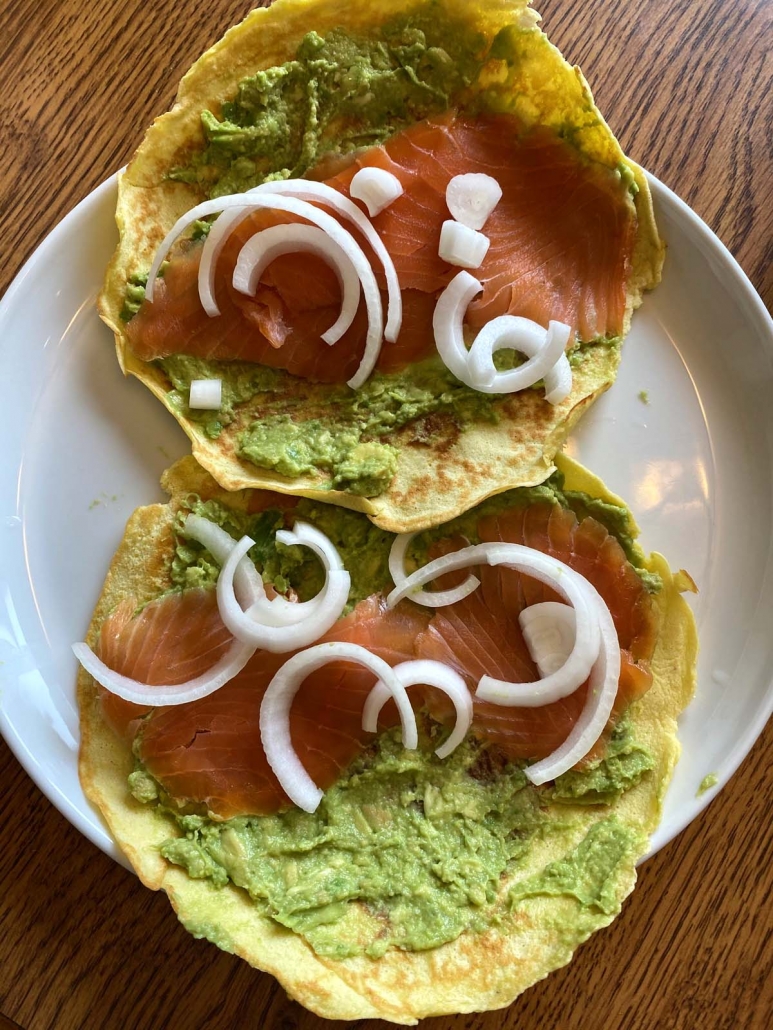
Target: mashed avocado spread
(404,851)
(339,93)
(295,437)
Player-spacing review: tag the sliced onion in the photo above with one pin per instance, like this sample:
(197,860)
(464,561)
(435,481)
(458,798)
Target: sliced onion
(278,699)
(429,598)
(555,574)
(472,197)
(232,663)
(306,190)
(376,188)
(216,238)
(265,200)
(543,349)
(206,394)
(274,624)
(549,630)
(602,691)
(462,246)
(431,674)
(277,634)
(265,246)
(558,381)
(321,193)
(448,323)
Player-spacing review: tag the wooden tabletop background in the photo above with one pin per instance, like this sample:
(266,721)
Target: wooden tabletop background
(687,88)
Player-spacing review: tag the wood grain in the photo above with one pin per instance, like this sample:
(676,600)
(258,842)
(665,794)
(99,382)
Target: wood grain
(687,88)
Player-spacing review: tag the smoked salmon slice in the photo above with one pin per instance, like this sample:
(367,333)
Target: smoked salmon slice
(481,634)
(562,238)
(209,752)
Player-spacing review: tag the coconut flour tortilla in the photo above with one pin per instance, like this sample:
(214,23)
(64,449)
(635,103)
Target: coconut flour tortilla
(443,477)
(475,972)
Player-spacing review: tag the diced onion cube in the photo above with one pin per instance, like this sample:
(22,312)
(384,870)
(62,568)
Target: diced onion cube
(472,197)
(206,394)
(462,246)
(376,188)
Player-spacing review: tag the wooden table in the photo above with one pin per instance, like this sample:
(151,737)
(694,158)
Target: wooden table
(82,945)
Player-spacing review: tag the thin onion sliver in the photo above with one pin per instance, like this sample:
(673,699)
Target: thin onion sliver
(431,674)
(277,702)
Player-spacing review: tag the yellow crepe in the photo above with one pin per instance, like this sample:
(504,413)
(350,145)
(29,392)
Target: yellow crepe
(444,477)
(475,972)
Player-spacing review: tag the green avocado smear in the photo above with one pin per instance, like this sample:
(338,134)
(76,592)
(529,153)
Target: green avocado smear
(405,851)
(353,450)
(340,92)
(294,436)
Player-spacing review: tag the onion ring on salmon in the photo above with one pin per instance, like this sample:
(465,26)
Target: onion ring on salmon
(544,348)
(258,200)
(262,248)
(432,599)
(431,674)
(595,651)
(232,663)
(320,192)
(564,580)
(548,630)
(471,197)
(376,188)
(602,690)
(275,624)
(307,190)
(278,699)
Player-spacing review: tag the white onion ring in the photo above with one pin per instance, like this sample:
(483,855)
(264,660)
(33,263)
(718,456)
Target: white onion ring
(472,197)
(462,246)
(278,634)
(561,578)
(602,691)
(265,246)
(232,663)
(605,668)
(549,630)
(431,674)
(278,699)
(475,367)
(558,381)
(330,197)
(247,580)
(448,324)
(243,589)
(205,394)
(302,209)
(320,192)
(429,598)
(543,350)
(376,188)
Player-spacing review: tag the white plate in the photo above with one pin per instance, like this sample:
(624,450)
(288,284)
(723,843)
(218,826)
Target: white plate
(83,447)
